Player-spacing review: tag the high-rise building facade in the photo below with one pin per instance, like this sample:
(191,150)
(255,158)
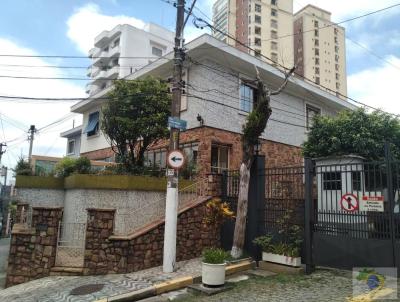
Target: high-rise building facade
(123,50)
(320,49)
(264,25)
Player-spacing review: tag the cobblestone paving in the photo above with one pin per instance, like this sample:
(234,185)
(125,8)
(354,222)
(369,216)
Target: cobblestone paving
(57,289)
(322,286)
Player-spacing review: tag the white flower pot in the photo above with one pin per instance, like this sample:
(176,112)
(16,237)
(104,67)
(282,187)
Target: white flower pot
(281,259)
(213,274)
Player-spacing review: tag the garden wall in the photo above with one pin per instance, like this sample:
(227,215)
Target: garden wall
(105,253)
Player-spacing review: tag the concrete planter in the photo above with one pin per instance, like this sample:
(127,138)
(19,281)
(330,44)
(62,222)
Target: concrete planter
(281,259)
(213,274)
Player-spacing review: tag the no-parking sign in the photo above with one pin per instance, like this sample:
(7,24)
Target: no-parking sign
(349,202)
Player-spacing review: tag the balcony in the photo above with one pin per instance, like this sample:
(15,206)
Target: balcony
(106,36)
(89,71)
(113,72)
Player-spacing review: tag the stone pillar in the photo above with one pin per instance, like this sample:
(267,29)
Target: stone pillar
(214,183)
(33,250)
(100,226)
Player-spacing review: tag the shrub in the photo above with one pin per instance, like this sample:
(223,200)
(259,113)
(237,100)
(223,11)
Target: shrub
(68,166)
(217,212)
(23,167)
(214,256)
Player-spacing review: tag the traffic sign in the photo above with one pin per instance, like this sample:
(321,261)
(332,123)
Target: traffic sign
(372,204)
(175,159)
(177,123)
(349,202)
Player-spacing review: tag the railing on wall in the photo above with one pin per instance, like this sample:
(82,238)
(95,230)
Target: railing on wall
(25,217)
(129,222)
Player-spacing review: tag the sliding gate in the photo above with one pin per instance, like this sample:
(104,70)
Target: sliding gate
(355,221)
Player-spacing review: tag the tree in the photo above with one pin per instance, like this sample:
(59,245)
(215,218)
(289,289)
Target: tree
(353,132)
(253,128)
(134,117)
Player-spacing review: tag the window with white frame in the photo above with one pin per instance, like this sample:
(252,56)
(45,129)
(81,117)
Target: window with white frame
(92,127)
(71,147)
(257,8)
(219,158)
(247,97)
(311,112)
(156,51)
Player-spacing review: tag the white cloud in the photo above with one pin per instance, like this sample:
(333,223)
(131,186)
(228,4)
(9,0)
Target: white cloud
(23,114)
(88,21)
(377,86)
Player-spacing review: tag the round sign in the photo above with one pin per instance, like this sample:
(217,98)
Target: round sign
(175,159)
(349,202)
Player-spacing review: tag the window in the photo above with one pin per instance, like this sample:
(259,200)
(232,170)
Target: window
(274,57)
(336,40)
(337,76)
(316,23)
(337,58)
(191,151)
(274,45)
(274,2)
(156,159)
(257,53)
(317,52)
(114,62)
(247,97)
(274,12)
(257,19)
(258,8)
(337,85)
(115,43)
(316,61)
(337,67)
(316,42)
(317,81)
(156,51)
(316,33)
(92,127)
(257,41)
(257,30)
(311,112)
(71,147)
(274,24)
(316,70)
(332,181)
(219,158)
(336,31)
(356,180)
(336,48)
(274,34)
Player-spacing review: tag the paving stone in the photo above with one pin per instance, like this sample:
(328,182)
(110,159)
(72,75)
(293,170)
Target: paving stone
(260,273)
(237,278)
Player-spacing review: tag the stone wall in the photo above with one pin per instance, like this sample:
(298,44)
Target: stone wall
(105,253)
(33,250)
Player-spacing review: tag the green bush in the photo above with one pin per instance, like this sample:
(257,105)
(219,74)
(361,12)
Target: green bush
(23,167)
(214,256)
(68,166)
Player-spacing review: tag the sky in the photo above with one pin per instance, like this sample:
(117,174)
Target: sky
(68,28)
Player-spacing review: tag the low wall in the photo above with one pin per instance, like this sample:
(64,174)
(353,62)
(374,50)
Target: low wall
(106,254)
(33,250)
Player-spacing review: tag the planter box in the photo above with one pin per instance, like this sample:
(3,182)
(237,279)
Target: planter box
(281,259)
(213,274)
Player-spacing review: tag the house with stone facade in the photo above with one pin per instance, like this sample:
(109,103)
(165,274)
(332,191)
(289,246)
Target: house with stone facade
(218,95)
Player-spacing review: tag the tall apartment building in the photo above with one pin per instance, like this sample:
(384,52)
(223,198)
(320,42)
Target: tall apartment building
(123,50)
(320,49)
(264,25)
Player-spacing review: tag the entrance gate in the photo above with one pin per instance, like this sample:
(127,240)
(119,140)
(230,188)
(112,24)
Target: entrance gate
(71,244)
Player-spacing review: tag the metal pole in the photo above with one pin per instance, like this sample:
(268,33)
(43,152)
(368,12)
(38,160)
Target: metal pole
(389,176)
(308,214)
(32,131)
(1,150)
(171,208)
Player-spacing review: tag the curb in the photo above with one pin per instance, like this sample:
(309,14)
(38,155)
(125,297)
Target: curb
(173,284)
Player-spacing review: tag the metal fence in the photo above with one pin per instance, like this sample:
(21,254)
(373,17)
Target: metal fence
(71,244)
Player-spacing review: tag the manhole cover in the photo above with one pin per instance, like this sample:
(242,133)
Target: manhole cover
(86,289)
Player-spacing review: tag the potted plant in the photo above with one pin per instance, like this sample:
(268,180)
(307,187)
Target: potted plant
(284,245)
(213,267)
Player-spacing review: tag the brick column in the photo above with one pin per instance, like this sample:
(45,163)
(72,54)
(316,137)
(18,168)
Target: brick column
(214,183)
(33,250)
(100,226)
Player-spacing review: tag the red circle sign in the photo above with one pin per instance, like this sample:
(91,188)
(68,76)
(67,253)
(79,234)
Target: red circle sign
(349,202)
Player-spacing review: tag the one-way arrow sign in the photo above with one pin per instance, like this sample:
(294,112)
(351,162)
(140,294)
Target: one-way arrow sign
(176,159)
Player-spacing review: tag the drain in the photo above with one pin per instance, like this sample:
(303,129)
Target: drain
(86,289)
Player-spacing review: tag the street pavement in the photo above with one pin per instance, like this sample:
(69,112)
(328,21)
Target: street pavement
(58,288)
(4,250)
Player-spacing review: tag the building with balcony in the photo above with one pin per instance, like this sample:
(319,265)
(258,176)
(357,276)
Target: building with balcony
(320,49)
(123,50)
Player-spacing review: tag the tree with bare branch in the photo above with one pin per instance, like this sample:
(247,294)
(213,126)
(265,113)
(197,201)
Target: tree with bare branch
(253,128)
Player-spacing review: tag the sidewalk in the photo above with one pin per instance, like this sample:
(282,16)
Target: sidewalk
(4,250)
(52,289)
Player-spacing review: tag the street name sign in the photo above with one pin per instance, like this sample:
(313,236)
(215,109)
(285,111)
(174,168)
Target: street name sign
(177,123)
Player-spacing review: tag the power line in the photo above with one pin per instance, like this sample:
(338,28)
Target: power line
(75,57)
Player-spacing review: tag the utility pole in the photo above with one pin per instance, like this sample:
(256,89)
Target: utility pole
(1,150)
(31,137)
(171,207)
